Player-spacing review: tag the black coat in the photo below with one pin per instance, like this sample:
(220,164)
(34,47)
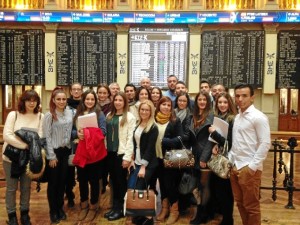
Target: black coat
(170,140)
(201,146)
(220,139)
(20,157)
(147,146)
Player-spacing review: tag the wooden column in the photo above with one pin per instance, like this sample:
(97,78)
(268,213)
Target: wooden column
(50,56)
(122,55)
(194,58)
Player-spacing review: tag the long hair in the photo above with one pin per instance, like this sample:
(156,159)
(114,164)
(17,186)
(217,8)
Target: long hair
(163,100)
(137,95)
(232,111)
(160,95)
(104,86)
(187,97)
(82,107)
(114,110)
(197,118)
(151,120)
(29,95)
(52,106)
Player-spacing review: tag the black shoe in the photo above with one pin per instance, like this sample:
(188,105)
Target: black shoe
(61,215)
(138,220)
(71,203)
(106,215)
(116,215)
(54,218)
(12,219)
(148,221)
(25,218)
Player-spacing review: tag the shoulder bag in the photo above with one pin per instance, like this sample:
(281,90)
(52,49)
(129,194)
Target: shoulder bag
(220,163)
(179,158)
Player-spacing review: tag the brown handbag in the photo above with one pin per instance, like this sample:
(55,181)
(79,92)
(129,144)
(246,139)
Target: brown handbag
(179,158)
(140,202)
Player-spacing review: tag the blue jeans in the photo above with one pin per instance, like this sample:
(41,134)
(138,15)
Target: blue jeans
(12,187)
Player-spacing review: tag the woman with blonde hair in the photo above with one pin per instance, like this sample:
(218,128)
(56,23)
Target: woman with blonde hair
(145,161)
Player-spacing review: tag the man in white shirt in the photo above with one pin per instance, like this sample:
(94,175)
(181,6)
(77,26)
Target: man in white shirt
(250,145)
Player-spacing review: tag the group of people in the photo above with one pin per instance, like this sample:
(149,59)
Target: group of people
(135,129)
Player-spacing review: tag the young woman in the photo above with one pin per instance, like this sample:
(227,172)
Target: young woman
(145,161)
(226,110)
(120,127)
(27,115)
(103,93)
(142,94)
(170,133)
(89,175)
(57,127)
(156,95)
(202,148)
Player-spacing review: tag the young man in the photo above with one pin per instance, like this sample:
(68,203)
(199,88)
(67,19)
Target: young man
(172,81)
(250,146)
(72,102)
(130,91)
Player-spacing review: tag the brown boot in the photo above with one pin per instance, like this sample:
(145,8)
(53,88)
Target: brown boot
(84,210)
(174,214)
(93,210)
(164,210)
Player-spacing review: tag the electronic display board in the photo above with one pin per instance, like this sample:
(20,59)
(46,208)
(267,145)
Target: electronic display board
(22,57)
(232,57)
(85,56)
(157,53)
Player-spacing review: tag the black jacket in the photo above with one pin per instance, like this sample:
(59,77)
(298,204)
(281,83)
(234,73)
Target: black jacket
(33,155)
(201,146)
(147,146)
(170,140)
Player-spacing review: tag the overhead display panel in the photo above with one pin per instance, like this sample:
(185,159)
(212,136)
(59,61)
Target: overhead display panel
(176,17)
(157,53)
(85,56)
(232,57)
(22,57)
(288,66)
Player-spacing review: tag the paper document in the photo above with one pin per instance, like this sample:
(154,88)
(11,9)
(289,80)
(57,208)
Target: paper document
(88,120)
(221,127)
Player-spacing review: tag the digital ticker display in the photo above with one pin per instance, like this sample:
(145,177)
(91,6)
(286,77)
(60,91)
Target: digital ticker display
(151,17)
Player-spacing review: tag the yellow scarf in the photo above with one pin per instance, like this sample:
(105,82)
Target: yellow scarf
(162,118)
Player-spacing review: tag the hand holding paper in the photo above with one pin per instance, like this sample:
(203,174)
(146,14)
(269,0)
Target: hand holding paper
(221,127)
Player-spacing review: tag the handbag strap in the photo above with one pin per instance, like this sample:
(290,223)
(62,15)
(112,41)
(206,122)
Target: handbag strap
(180,139)
(225,149)
(147,189)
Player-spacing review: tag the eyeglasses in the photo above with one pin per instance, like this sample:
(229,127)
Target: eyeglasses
(76,89)
(182,101)
(145,110)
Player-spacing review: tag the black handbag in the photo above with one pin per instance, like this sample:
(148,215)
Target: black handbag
(187,183)
(179,158)
(140,202)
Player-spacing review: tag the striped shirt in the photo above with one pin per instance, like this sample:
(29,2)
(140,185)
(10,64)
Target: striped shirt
(57,132)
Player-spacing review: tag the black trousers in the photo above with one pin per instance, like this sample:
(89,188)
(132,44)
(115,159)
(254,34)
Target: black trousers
(89,176)
(57,180)
(70,184)
(118,177)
